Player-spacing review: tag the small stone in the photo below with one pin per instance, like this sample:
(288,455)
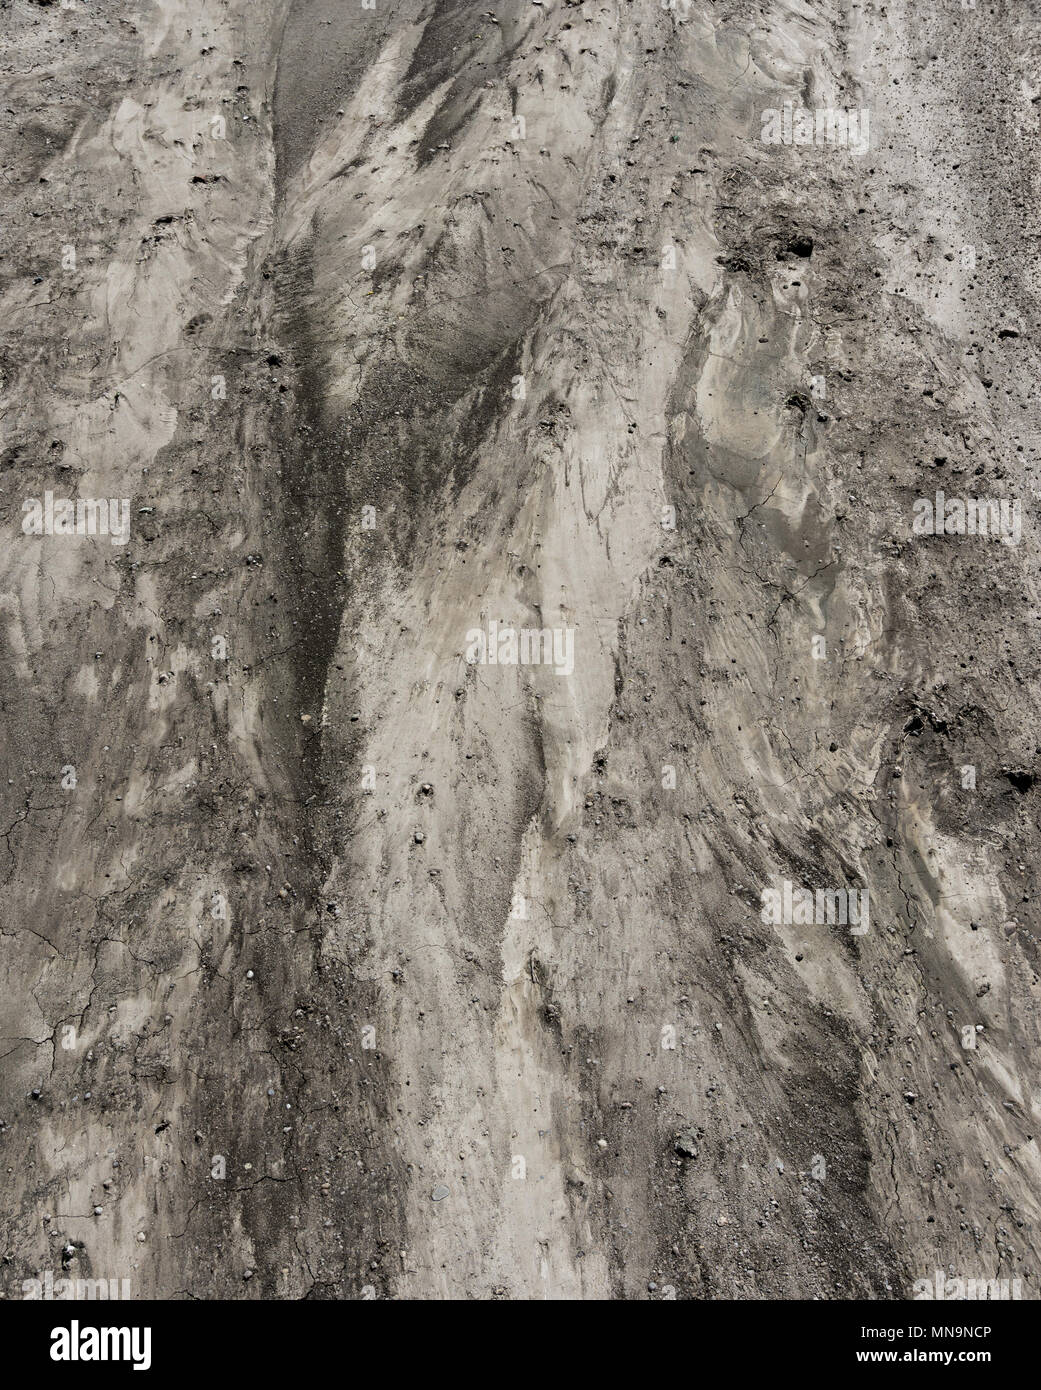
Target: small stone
(686,1146)
(439,1193)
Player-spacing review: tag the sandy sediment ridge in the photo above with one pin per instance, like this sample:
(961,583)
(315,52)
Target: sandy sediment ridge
(342,966)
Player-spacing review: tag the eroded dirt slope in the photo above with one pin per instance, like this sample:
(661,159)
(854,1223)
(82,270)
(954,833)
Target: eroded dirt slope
(338,965)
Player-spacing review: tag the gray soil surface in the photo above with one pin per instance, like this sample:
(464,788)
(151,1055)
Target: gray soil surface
(337,965)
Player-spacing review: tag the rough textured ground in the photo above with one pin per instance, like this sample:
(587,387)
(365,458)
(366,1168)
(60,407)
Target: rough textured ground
(368,922)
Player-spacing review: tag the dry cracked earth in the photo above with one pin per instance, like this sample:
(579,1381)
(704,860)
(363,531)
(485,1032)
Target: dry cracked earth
(502,797)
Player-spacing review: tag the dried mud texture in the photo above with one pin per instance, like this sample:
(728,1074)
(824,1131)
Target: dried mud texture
(382,929)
